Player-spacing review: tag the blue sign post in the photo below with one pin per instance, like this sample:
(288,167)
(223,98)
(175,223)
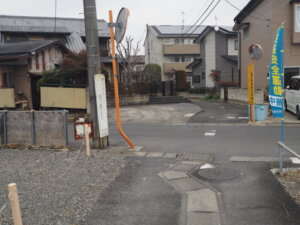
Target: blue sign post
(276,85)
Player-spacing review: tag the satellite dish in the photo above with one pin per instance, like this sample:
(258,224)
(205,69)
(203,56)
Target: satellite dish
(121,24)
(255,51)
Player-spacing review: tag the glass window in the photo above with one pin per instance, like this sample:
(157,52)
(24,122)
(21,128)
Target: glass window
(297,18)
(203,76)
(288,73)
(236,44)
(8,79)
(246,33)
(196,79)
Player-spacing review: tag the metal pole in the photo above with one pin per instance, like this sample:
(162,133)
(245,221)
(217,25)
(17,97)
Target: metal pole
(116,87)
(66,129)
(281,160)
(93,58)
(33,139)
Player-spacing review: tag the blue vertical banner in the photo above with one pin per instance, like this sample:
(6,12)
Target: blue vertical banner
(276,85)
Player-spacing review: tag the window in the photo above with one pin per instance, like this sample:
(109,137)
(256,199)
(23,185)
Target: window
(29,62)
(236,44)
(297,18)
(295,84)
(196,79)
(288,73)
(179,41)
(8,80)
(203,75)
(246,33)
(37,64)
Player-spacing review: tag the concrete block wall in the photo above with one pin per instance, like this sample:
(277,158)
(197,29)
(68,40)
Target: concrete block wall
(241,95)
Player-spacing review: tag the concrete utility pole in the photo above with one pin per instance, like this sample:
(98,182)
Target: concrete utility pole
(93,58)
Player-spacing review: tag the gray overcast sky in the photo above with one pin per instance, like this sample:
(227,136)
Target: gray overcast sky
(153,12)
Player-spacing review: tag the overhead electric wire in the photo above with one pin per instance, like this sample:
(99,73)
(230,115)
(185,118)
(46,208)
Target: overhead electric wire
(199,18)
(205,17)
(262,19)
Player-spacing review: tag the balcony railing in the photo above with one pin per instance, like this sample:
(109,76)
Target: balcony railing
(181,49)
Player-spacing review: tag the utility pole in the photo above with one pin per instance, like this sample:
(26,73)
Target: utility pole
(93,61)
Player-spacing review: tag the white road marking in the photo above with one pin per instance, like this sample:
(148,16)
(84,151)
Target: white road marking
(189,115)
(295,160)
(231,117)
(207,166)
(210,133)
(243,117)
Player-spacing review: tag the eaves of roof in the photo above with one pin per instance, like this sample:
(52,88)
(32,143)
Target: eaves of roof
(194,63)
(246,10)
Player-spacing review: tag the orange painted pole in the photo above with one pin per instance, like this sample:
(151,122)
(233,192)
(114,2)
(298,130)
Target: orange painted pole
(116,85)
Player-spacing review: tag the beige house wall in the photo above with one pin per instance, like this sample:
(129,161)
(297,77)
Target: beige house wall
(263,31)
(7,98)
(57,97)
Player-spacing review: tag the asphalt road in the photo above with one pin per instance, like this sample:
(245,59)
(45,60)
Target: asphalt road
(226,140)
(220,112)
(140,196)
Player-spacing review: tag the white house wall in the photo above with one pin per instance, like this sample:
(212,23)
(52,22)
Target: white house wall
(210,57)
(231,46)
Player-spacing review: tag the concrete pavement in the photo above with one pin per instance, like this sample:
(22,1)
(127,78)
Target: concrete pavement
(160,184)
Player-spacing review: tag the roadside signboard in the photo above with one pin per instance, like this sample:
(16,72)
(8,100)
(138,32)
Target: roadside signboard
(101,104)
(79,130)
(276,85)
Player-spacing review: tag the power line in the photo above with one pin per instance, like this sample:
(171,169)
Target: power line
(200,16)
(206,17)
(259,18)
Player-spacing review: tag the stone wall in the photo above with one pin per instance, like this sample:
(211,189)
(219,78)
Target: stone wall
(241,95)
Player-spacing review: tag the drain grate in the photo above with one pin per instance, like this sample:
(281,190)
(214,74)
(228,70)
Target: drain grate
(217,174)
(204,157)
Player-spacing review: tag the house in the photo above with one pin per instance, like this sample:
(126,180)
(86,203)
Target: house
(171,47)
(23,63)
(69,31)
(257,23)
(139,63)
(218,56)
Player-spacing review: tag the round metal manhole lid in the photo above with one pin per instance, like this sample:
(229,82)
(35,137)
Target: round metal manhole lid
(219,173)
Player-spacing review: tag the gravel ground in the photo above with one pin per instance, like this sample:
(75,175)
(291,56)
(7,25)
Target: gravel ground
(55,187)
(291,182)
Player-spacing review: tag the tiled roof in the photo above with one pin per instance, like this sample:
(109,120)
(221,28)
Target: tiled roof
(47,25)
(23,47)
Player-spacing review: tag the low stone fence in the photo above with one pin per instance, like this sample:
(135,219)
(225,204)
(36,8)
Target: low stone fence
(129,100)
(34,128)
(241,95)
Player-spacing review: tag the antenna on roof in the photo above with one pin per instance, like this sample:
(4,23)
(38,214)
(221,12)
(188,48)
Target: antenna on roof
(183,13)
(216,26)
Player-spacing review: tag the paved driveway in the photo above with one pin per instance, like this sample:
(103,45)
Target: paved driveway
(220,112)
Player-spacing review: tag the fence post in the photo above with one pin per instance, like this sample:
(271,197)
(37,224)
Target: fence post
(15,205)
(5,126)
(87,140)
(33,138)
(66,129)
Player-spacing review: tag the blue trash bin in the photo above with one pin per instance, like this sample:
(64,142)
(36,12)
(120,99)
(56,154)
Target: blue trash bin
(260,112)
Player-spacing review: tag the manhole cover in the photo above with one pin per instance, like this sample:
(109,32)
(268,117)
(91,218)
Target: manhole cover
(219,173)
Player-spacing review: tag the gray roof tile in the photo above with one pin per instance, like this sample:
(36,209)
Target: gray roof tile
(46,25)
